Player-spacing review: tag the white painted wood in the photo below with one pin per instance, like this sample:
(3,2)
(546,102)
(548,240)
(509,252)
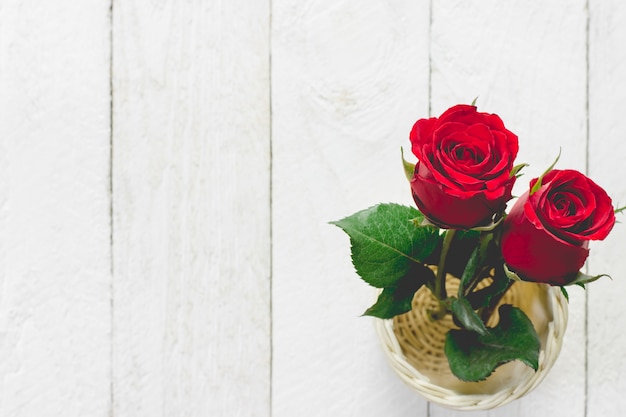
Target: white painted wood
(526,62)
(349,80)
(607,129)
(191,208)
(197,330)
(55,346)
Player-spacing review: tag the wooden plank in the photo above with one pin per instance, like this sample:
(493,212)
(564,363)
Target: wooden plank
(55,350)
(607,98)
(191,208)
(349,80)
(526,62)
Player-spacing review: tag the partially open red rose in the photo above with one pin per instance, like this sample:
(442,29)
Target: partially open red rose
(463,175)
(545,236)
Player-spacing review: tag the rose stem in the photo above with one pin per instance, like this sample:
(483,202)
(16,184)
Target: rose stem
(489,310)
(440,281)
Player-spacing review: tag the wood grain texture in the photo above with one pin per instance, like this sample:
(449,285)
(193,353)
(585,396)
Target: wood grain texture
(607,129)
(349,80)
(55,346)
(191,208)
(527,63)
(209,312)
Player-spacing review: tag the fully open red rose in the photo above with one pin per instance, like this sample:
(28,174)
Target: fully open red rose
(545,237)
(463,175)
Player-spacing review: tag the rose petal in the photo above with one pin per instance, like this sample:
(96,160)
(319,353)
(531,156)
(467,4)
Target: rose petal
(452,211)
(465,159)
(591,214)
(461,113)
(420,135)
(534,253)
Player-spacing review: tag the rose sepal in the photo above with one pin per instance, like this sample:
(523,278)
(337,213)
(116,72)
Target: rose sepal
(582,279)
(510,274)
(538,184)
(491,226)
(409,168)
(516,169)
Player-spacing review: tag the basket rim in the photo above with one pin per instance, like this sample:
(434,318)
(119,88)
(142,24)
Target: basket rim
(450,398)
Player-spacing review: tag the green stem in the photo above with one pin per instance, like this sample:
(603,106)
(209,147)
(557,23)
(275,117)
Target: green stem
(491,308)
(482,274)
(440,281)
(475,269)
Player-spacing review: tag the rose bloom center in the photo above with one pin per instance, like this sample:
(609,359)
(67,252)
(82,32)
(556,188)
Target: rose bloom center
(564,205)
(468,156)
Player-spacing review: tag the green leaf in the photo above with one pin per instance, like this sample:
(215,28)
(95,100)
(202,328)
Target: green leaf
(467,317)
(398,299)
(409,168)
(473,357)
(565,294)
(386,242)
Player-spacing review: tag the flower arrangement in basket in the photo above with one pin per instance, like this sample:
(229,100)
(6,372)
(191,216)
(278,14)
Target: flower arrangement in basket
(487,286)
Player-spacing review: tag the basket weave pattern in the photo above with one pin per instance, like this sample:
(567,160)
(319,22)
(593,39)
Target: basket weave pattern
(414,345)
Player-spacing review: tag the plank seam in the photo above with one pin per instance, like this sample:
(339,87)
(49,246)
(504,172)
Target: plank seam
(430,99)
(587,145)
(430,58)
(111,218)
(271,212)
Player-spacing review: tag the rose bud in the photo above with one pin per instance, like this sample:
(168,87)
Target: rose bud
(463,174)
(545,237)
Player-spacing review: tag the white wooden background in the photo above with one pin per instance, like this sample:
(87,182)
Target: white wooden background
(168,169)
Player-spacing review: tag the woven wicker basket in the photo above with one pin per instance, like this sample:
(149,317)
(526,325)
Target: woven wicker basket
(414,346)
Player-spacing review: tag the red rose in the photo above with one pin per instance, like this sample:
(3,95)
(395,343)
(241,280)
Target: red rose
(463,176)
(545,237)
